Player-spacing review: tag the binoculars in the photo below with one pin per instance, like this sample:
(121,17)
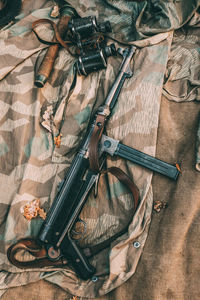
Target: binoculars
(83,28)
(87,35)
(94,59)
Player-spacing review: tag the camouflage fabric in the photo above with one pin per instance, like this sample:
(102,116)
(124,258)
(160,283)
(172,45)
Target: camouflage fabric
(182,82)
(198,147)
(32,166)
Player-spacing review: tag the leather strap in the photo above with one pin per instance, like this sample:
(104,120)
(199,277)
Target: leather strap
(94,143)
(127,181)
(59,30)
(57,38)
(41,260)
(39,252)
(94,159)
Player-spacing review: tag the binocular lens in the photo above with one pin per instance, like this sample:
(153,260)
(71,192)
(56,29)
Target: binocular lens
(85,27)
(94,61)
(90,63)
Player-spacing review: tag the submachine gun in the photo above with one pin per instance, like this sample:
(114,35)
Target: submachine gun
(55,235)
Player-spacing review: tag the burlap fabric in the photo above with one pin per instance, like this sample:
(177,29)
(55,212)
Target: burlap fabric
(31,166)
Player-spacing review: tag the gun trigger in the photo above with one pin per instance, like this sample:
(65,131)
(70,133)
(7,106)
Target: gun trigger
(96,185)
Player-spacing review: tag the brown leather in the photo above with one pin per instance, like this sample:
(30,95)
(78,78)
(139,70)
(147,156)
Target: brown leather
(94,142)
(59,29)
(94,159)
(39,252)
(93,250)
(52,52)
(127,181)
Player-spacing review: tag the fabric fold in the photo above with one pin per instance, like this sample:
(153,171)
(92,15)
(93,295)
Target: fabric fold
(32,164)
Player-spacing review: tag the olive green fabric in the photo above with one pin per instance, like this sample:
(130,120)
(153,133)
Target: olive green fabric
(32,166)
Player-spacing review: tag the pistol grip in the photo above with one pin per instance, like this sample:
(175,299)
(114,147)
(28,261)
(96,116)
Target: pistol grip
(76,258)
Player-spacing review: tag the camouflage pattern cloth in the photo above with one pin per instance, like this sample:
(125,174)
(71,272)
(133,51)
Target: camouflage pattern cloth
(198,147)
(182,81)
(31,166)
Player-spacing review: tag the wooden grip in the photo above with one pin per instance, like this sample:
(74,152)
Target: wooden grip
(52,52)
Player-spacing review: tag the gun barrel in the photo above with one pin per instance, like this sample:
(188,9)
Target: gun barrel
(63,204)
(124,72)
(79,201)
(56,231)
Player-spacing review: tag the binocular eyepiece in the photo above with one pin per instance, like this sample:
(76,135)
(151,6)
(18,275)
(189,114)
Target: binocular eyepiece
(84,27)
(95,60)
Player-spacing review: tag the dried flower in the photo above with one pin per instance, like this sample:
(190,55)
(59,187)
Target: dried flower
(32,210)
(57,140)
(158,205)
(54,11)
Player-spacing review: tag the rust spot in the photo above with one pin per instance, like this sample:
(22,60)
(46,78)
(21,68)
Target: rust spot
(57,140)
(178,167)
